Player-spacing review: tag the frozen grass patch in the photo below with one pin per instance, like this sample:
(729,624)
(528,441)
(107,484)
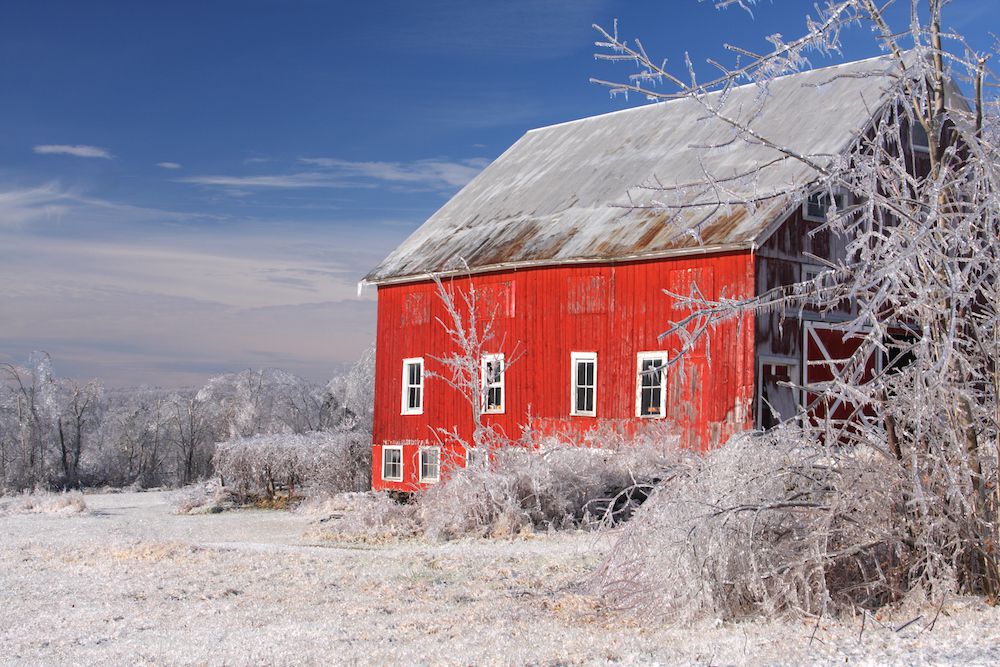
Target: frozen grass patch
(44,502)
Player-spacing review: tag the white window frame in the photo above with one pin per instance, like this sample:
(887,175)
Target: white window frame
(837,194)
(485,385)
(436,478)
(576,358)
(647,356)
(405,408)
(796,379)
(396,448)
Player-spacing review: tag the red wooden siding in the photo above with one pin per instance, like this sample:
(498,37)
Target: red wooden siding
(615,310)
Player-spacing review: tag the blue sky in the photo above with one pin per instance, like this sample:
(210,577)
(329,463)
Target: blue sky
(189,188)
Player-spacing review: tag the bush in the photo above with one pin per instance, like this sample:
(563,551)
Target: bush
(359,517)
(766,524)
(203,498)
(521,489)
(321,462)
(43,502)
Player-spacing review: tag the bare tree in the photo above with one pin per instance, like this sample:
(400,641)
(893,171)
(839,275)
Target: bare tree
(33,404)
(480,355)
(919,279)
(78,414)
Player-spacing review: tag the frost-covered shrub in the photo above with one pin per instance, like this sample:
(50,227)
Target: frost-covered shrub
(43,502)
(765,524)
(208,497)
(359,517)
(321,462)
(528,488)
(520,489)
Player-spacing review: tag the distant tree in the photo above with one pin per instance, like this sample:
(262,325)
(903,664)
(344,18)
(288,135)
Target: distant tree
(77,418)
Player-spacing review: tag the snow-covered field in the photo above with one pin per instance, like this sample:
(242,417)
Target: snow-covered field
(130,583)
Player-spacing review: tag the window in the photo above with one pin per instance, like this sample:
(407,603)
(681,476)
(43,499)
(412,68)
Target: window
(777,391)
(918,137)
(584,383)
(392,463)
(474,457)
(430,464)
(651,385)
(413,386)
(493,381)
(818,203)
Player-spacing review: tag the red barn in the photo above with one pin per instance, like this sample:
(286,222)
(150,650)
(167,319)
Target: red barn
(569,247)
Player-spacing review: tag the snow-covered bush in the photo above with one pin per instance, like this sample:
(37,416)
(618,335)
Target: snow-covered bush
(43,502)
(208,497)
(521,489)
(321,462)
(359,517)
(766,524)
(555,485)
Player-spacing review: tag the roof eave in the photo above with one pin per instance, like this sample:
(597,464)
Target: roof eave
(541,263)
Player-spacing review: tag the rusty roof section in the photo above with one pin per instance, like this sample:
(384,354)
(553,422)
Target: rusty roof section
(574,192)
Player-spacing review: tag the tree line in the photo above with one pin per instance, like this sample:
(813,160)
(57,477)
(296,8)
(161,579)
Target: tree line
(61,433)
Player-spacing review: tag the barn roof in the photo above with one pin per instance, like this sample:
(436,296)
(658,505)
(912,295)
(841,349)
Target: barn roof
(574,192)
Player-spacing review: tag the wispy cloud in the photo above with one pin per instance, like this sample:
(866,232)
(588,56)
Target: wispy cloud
(52,203)
(172,303)
(168,165)
(439,174)
(330,172)
(76,150)
(299,180)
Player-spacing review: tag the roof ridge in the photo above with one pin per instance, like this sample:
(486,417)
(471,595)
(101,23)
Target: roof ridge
(742,86)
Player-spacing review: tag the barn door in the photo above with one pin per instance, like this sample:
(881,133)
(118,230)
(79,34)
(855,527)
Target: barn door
(831,355)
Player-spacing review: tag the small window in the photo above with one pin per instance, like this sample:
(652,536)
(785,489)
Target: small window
(392,464)
(493,383)
(818,203)
(430,464)
(413,386)
(474,457)
(584,383)
(651,385)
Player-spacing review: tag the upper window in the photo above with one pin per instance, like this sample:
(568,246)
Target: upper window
(413,386)
(651,385)
(584,383)
(818,203)
(493,383)
(430,464)
(392,464)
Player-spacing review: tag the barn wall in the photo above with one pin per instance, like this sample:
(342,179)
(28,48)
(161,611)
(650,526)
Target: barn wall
(616,311)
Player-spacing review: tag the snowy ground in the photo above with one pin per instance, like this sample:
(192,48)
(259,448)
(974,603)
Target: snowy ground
(130,583)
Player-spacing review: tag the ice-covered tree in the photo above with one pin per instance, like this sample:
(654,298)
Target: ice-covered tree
(918,275)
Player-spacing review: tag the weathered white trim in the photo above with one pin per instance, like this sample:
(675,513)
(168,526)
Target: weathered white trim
(405,408)
(576,357)
(502,383)
(402,463)
(420,465)
(645,356)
